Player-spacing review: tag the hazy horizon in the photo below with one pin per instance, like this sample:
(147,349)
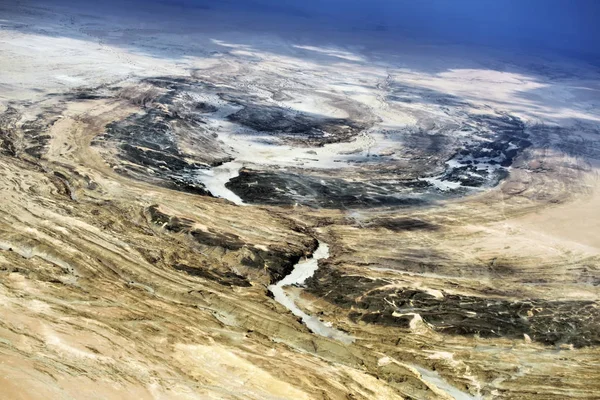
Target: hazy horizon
(532,25)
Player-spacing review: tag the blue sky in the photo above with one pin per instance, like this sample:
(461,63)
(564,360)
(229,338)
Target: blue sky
(572,25)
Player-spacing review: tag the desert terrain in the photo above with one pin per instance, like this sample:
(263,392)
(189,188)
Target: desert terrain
(213,212)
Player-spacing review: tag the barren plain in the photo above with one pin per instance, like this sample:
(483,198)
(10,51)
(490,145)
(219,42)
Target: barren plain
(159,180)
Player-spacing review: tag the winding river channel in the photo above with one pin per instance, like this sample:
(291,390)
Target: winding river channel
(301,272)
